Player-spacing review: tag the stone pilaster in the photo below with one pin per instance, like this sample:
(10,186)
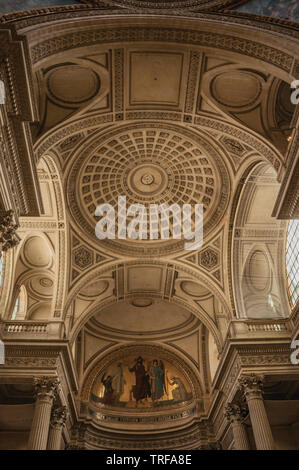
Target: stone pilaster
(58,419)
(46,390)
(234,414)
(251,385)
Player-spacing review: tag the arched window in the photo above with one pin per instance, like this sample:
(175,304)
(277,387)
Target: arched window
(292,260)
(16,309)
(20,308)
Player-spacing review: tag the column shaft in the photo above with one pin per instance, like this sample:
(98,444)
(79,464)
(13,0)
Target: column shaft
(54,439)
(40,425)
(260,424)
(252,386)
(58,419)
(240,436)
(46,390)
(234,413)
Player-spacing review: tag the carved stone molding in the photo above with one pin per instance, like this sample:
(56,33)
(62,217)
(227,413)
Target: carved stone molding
(167,5)
(19,186)
(188,438)
(251,48)
(255,357)
(162,419)
(287,203)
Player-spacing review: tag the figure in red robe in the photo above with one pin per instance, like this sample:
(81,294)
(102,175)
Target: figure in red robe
(141,389)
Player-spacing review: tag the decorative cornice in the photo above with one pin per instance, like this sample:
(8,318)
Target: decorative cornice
(240,355)
(194,37)
(176,439)
(22,19)
(15,134)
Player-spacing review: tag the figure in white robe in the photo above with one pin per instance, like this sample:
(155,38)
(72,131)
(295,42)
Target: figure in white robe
(118,381)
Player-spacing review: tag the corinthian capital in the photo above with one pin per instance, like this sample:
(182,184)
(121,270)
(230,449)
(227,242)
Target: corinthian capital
(8,236)
(251,385)
(46,388)
(234,412)
(58,416)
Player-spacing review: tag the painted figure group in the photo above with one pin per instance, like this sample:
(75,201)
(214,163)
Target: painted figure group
(153,382)
(150,383)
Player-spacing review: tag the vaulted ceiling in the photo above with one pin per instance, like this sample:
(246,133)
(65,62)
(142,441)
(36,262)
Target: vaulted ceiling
(160,110)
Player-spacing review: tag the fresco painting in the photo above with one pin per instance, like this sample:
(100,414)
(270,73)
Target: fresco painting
(288,9)
(142,382)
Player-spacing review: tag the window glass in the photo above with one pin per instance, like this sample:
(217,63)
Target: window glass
(15,310)
(292,260)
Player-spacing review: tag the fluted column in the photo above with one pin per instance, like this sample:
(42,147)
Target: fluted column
(46,389)
(251,385)
(234,414)
(58,418)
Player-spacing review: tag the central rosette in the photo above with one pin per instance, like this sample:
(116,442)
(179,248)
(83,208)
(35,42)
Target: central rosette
(147,179)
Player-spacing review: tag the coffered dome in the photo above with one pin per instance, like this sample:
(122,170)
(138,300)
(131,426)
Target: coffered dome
(161,164)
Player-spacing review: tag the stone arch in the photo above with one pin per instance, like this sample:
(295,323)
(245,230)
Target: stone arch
(32,259)
(197,311)
(257,240)
(159,29)
(51,163)
(189,304)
